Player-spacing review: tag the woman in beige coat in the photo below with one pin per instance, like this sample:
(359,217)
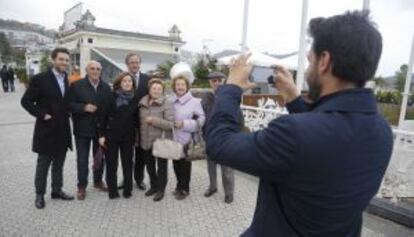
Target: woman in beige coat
(156,117)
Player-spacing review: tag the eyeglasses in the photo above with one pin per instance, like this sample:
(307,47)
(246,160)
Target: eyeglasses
(216,80)
(95,68)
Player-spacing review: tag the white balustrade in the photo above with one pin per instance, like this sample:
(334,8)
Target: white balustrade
(398,181)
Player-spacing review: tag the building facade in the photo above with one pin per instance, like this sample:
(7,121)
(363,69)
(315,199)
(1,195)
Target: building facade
(87,42)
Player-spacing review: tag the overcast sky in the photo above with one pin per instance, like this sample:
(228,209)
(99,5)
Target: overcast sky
(273,25)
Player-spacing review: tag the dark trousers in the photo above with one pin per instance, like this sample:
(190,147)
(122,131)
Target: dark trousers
(83,145)
(157,169)
(227,175)
(139,166)
(127,151)
(182,170)
(42,169)
(11,82)
(5,85)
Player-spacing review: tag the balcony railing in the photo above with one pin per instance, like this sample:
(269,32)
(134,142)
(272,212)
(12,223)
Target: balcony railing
(398,181)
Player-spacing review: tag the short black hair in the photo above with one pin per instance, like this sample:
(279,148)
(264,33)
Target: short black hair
(59,50)
(353,42)
(131,54)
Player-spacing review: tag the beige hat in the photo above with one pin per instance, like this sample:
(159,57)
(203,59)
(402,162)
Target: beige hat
(182,69)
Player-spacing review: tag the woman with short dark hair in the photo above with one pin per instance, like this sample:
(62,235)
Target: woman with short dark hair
(117,133)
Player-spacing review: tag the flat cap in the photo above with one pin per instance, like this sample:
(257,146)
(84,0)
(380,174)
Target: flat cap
(213,75)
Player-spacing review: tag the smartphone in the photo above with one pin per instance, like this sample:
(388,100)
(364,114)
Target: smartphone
(262,74)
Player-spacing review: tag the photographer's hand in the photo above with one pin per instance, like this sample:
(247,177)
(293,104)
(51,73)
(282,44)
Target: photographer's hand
(239,71)
(285,84)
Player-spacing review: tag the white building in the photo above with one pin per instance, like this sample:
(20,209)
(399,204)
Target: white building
(33,60)
(88,42)
(27,39)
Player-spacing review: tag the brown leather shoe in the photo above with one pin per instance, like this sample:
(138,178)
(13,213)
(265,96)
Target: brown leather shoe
(101,186)
(81,194)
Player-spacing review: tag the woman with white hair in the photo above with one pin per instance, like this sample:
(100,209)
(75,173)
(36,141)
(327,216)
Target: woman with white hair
(189,118)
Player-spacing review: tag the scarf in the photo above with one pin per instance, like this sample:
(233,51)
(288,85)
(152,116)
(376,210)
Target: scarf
(124,97)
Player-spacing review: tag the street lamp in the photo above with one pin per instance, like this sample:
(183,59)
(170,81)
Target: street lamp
(302,47)
(244,30)
(365,5)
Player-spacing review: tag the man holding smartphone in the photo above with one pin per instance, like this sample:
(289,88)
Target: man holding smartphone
(320,166)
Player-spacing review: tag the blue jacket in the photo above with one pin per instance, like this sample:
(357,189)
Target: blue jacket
(318,167)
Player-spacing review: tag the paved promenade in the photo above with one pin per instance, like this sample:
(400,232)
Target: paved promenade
(99,216)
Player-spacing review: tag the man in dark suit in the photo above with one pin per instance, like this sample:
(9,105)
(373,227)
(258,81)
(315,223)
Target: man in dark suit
(89,98)
(320,166)
(46,98)
(133,63)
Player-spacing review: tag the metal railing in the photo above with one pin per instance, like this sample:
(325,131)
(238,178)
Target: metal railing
(398,181)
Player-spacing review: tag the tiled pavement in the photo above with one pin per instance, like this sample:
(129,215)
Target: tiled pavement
(99,216)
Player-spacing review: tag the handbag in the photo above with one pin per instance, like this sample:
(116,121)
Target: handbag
(167,148)
(98,158)
(197,147)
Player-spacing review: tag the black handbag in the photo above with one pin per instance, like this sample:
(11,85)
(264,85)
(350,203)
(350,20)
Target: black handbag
(197,147)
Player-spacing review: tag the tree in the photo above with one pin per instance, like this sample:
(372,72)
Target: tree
(5,50)
(19,57)
(379,81)
(45,62)
(204,65)
(9,54)
(165,67)
(400,76)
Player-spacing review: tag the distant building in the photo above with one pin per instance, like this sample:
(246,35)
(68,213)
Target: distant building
(33,60)
(88,42)
(32,43)
(27,39)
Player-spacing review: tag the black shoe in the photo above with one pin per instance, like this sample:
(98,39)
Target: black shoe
(40,202)
(141,186)
(181,195)
(176,192)
(210,192)
(150,192)
(127,195)
(113,195)
(159,196)
(62,195)
(228,199)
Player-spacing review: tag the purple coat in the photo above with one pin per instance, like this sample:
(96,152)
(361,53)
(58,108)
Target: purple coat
(186,108)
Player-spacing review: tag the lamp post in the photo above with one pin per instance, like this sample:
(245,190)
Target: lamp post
(244,30)
(365,5)
(302,47)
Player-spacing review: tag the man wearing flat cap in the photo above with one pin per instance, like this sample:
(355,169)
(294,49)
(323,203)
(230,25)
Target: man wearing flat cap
(216,79)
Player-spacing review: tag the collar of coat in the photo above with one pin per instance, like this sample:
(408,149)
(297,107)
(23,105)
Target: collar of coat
(183,99)
(358,100)
(145,101)
(56,73)
(90,83)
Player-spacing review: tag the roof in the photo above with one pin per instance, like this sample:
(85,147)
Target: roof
(225,53)
(149,59)
(123,33)
(228,52)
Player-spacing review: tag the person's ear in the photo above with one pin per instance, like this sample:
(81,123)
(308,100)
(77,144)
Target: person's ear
(324,62)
